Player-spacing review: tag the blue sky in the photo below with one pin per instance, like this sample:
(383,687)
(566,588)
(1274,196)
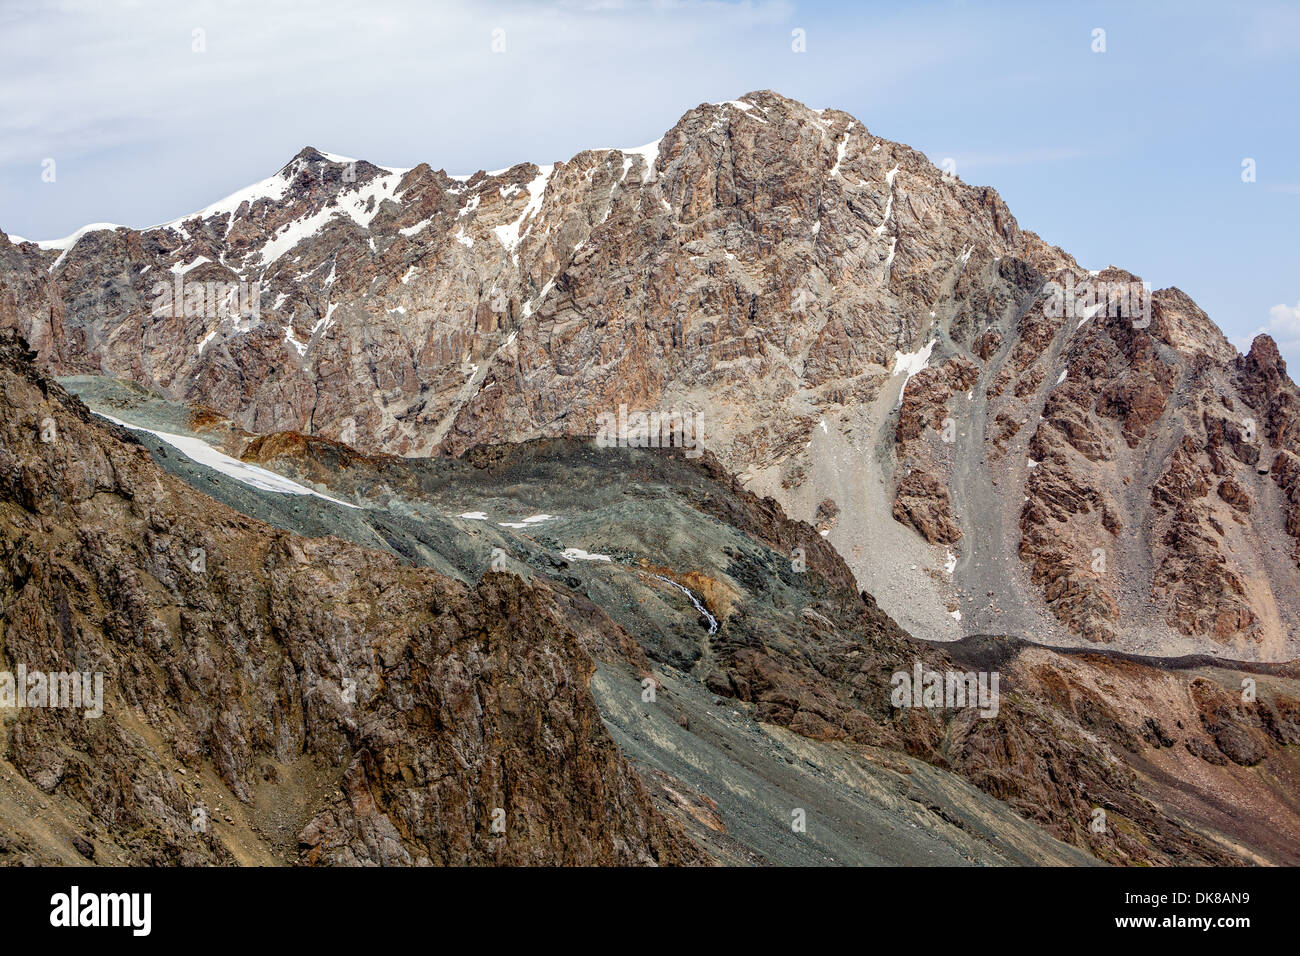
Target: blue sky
(1131,156)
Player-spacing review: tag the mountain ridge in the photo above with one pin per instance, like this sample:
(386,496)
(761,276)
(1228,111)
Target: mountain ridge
(371,683)
(826,299)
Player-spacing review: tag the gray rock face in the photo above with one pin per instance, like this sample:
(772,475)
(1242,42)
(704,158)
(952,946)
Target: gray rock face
(779,274)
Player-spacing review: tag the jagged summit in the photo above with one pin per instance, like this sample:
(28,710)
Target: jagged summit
(365,169)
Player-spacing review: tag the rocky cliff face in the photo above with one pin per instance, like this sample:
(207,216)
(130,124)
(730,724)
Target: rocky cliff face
(269,698)
(311,700)
(874,344)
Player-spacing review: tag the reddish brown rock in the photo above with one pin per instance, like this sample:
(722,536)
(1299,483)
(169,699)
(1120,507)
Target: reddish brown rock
(922,501)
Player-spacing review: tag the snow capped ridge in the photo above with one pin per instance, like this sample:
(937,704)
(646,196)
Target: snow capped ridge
(64,245)
(67,242)
(275,187)
(649,152)
(351,199)
(335,158)
(271,189)
(310,154)
(359,203)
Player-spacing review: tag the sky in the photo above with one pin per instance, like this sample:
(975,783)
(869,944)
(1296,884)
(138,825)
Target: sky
(1169,144)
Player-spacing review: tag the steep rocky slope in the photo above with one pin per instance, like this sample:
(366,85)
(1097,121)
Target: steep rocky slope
(303,699)
(869,341)
(772,672)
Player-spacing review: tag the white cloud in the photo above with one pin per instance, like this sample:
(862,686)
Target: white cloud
(1284,326)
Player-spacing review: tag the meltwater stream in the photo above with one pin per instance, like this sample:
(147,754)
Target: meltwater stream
(713,621)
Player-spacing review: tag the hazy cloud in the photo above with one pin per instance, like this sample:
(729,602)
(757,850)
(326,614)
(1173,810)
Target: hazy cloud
(1284,327)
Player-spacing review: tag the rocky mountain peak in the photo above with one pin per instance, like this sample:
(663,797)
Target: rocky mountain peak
(1264,362)
(968,415)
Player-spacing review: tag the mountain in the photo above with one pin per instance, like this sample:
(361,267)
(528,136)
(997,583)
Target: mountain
(328,657)
(993,438)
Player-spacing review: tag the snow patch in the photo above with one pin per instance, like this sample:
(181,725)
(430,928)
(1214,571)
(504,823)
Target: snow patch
(301,347)
(1089,312)
(530,520)
(418,227)
(326,320)
(577,554)
(840,150)
(180,270)
(508,235)
(200,451)
(910,363)
(649,152)
(889,207)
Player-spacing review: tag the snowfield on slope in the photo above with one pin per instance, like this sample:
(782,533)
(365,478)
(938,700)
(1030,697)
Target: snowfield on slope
(200,451)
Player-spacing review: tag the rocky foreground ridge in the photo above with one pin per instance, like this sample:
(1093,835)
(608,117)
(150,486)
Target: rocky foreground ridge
(322,702)
(225,693)
(871,342)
